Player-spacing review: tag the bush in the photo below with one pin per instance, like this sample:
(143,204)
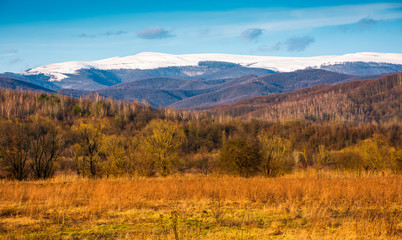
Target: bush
(241,156)
(347,159)
(276,152)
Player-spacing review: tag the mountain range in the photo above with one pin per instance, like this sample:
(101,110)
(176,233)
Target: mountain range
(199,80)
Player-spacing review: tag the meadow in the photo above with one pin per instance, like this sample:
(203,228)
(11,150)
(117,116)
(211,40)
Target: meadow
(302,205)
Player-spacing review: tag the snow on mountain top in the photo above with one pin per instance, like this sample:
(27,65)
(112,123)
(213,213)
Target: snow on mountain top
(57,71)
(150,60)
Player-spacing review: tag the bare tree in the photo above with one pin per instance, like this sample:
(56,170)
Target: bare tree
(47,145)
(14,149)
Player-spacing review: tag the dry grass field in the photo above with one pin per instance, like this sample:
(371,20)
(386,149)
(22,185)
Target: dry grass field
(297,206)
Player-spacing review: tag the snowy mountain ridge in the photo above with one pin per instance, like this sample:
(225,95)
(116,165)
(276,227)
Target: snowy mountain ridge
(149,60)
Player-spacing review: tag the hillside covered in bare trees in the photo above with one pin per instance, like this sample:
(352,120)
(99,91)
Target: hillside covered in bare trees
(375,100)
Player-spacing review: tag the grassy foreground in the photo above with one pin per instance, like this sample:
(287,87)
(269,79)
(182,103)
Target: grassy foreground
(298,206)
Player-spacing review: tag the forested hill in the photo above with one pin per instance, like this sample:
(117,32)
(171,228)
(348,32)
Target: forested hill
(374,100)
(27,104)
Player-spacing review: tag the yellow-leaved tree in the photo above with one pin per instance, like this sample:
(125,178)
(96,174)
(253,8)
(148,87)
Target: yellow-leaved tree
(277,155)
(88,133)
(115,162)
(160,145)
(376,154)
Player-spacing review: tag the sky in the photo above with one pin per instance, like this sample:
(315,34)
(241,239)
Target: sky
(34,33)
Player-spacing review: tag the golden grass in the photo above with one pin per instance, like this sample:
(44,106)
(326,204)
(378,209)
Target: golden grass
(298,206)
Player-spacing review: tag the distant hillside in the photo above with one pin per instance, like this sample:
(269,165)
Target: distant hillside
(363,68)
(74,92)
(9,83)
(190,93)
(234,90)
(378,100)
(163,83)
(95,79)
(306,78)
(39,79)
(228,94)
(156,97)
(187,92)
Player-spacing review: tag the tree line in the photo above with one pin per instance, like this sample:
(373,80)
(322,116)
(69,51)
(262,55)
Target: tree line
(42,135)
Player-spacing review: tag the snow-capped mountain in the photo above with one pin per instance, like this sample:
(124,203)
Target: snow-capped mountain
(147,60)
(194,80)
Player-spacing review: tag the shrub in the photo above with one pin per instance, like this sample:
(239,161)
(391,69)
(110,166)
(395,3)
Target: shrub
(276,152)
(241,155)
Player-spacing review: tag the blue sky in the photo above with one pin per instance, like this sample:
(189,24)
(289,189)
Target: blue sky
(35,33)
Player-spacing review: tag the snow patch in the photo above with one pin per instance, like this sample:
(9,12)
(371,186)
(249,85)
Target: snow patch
(58,71)
(193,73)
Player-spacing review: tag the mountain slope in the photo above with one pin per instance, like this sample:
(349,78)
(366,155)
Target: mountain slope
(163,83)
(153,90)
(40,79)
(234,90)
(156,97)
(183,93)
(95,79)
(227,95)
(83,76)
(9,83)
(357,101)
(363,68)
